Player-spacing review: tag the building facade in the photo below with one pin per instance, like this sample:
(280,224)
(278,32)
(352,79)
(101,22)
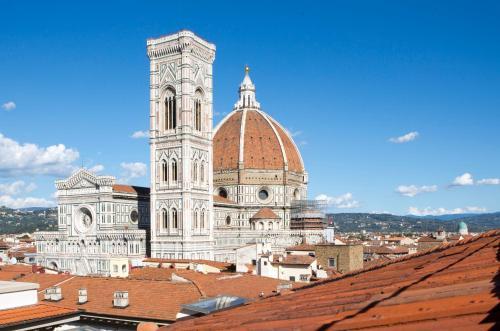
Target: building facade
(212,190)
(181,146)
(98,220)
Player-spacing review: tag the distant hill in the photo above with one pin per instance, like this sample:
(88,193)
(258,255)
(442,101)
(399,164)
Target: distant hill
(355,222)
(19,221)
(447,217)
(33,209)
(45,219)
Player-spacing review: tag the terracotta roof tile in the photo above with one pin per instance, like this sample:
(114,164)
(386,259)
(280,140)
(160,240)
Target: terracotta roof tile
(226,143)
(301,247)
(237,284)
(292,154)
(448,287)
(159,300)
(428,239)
(219,199)
(265,213)
(215,264)
(261,144)
(151,293)
(16,316)
(131,189)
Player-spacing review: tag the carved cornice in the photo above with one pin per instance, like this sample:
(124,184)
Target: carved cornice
(84,175)
(177,43)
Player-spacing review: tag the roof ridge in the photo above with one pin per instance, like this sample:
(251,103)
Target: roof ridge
(488,234)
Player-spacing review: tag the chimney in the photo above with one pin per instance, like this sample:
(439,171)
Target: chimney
(120,299)
(53,293)
(82,296)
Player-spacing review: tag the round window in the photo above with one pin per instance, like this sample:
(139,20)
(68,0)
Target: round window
(263,194)
(134,216)
(223,192)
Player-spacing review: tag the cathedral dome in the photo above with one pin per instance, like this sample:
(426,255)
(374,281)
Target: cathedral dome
(251,139)
(248,138)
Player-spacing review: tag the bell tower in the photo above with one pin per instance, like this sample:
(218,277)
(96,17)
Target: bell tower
(181,146)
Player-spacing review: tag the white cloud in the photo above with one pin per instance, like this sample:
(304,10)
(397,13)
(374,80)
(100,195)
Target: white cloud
(9,105)
(344,201)
(413,190)
(17,187)
(133,170)
(443,211)
(97,168)
(30,159)
(463,180)
(489,181)
(404,138)
(140,134)
(15,203)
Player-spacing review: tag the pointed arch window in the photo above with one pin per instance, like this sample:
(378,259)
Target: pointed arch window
(195,171)
(174,171)
(175,221)
(202,219)
(164,171)
(195,219)
(197,110)
(202,172)
(170,117)
(164,218)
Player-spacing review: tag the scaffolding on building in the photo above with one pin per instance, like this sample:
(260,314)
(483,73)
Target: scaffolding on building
(308,214)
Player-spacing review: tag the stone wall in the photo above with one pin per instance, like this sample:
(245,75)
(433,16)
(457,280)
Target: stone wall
(347,257)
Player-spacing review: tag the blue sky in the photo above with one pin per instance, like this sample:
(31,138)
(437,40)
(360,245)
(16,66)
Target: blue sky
(343,77)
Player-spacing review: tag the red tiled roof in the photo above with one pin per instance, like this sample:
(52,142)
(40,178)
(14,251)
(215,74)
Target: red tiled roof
(13,272)
(219,199)
(152,294)
(16,316)
(449,287)
(428,239)
(237,284)
(158,300)
(265,213)
(400,250)
(45,280)
(377,250)
(215,264)
(131,189)
(150,273)
(301,247)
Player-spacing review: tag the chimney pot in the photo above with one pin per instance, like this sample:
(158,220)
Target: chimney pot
(120,299)
(53,293)
(82,296)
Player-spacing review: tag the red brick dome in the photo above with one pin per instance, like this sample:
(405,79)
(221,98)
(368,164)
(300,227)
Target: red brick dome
(253,139)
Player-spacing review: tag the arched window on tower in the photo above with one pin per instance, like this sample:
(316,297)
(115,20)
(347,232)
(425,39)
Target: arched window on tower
(195,171)
(195,219)
(202,219)
(175,223)
(174,170)
(202,172)
(197,110)
(170,117)
(164,171)
(164,218)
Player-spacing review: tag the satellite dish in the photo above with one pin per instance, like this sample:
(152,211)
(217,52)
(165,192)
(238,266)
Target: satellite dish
(13,260)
